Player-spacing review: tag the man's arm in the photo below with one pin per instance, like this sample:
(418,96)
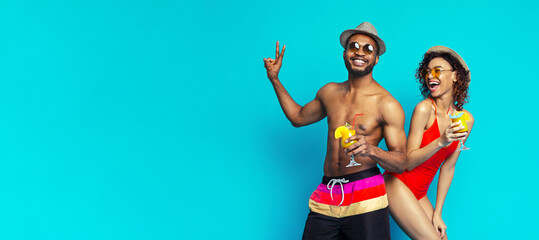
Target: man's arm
(393,160)
(296,114)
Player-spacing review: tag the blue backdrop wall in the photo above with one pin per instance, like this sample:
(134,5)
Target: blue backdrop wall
(155,119)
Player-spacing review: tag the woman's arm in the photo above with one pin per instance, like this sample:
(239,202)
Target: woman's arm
(444,181)
(420,118)
(416,155)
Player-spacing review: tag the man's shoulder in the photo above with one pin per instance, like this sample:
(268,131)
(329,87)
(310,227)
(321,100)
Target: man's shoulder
(391,110)
(386,100)
(330,88)
(383,93)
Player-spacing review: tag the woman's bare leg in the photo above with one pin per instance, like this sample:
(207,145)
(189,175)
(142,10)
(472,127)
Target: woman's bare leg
(407,211)
(429,210)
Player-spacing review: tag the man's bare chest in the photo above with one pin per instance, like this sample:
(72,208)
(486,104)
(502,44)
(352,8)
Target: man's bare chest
(363,114)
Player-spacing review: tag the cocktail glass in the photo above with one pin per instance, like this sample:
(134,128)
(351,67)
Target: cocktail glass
(461,117)
(345,132)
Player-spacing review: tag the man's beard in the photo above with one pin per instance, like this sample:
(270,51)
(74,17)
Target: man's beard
(358,73)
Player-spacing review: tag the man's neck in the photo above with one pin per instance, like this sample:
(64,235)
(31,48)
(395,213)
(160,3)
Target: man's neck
(362,82)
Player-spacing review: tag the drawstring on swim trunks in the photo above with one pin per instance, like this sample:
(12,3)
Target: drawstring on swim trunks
(334,181)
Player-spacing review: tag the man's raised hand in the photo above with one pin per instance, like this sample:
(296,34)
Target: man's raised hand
(274,65)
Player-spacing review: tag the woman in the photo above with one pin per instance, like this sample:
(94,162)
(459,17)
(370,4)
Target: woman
(432,140)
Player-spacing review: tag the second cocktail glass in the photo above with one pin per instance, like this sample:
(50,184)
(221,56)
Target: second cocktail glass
(462,117)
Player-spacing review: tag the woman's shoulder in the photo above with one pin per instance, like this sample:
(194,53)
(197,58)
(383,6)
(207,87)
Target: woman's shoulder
(423,115)
(423,107)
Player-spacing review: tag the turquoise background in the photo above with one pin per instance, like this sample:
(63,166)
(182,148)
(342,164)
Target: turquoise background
(155,119)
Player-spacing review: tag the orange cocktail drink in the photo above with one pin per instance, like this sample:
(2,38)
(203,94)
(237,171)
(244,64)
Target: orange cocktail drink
(344,133)
(462,117)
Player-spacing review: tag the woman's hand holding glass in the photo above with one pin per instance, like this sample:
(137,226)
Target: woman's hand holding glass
(461,117)
(450,134)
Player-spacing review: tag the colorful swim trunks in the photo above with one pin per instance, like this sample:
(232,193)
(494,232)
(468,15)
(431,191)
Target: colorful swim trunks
(350,195)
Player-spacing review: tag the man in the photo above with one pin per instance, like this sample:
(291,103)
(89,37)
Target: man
(361,212)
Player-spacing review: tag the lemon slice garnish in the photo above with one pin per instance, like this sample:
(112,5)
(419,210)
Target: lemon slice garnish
(466,117)
(339,131)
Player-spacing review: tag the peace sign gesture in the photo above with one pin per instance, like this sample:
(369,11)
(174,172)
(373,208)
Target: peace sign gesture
(274,65)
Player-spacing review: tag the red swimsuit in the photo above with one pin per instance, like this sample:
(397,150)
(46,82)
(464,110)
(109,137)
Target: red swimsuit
(419,178)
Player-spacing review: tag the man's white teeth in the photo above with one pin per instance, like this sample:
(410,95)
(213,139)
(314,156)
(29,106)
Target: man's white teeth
(359,61)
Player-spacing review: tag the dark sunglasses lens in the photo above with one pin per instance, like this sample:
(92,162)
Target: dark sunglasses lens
(368,49)
(353,47)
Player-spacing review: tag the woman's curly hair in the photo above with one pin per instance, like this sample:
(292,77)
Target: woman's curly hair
(460,88)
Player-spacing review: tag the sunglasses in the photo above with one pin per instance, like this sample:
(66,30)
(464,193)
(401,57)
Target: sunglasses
(354,47)
(435,72)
